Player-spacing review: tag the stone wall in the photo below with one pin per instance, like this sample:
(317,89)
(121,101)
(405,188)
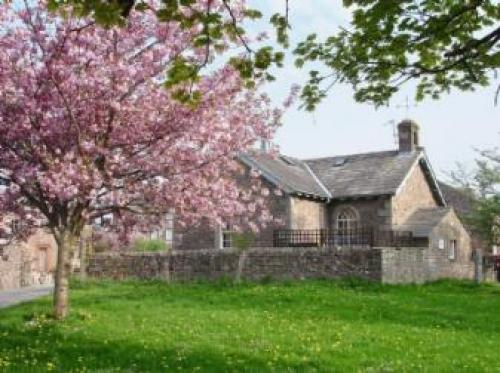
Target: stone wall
(11,261)
(491,274)
(307,214)
(388,265)
(276,263)
(192,237)
(373,212)
(204,235)
(418,265)
(414,194)
(30,263)
(448,229)
(403,265)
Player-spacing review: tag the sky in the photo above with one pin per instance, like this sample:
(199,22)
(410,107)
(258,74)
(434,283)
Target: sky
(450,128)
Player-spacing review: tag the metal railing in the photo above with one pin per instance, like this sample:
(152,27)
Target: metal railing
(349,238)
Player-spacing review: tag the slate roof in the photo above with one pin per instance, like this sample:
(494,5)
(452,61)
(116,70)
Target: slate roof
(458,198)
(368,174)
(289,173)
(355,175)
(423,221)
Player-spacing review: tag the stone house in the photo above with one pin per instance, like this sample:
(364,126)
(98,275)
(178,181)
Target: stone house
(29,263)
(463,204)
(340,203)
(389,191)
(33,262)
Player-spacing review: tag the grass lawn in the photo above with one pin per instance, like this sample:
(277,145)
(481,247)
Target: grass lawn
(297,326)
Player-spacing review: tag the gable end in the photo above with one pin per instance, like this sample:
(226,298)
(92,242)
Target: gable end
(423,162)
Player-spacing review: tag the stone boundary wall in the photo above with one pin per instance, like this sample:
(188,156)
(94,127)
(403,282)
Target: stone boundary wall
(418,265)
(403,265)
(490,274)
(256,264)
(388,265)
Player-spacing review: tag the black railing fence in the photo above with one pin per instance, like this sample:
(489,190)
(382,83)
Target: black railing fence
(350,238)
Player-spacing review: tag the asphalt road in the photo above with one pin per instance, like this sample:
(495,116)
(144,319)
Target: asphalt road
(11,297)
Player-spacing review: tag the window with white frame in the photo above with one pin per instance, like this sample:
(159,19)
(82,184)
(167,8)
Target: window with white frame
(226,238)
(166,232)
(103,221)
(154,235)
(15,225)
(4,182)
(441,244)
(452,253)
(347,224)
(169,229)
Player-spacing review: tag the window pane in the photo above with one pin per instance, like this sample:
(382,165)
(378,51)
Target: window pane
(226,239)
(347,224)
(453,250)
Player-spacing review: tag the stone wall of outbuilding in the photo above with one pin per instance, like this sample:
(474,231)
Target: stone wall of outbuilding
(432,262)
(450,229)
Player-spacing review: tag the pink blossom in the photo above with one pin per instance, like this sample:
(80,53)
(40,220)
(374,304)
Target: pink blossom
(278,192)
(86,128)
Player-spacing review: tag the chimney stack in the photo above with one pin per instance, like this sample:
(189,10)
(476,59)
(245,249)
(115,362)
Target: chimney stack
(408,133)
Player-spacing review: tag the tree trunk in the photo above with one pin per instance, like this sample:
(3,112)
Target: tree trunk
(83,245)
(241,264)
(61,288)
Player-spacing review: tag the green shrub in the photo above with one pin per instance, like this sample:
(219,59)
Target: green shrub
(243,241)
(147,245)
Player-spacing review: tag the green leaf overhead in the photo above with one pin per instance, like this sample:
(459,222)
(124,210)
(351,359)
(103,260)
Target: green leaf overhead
(442,45)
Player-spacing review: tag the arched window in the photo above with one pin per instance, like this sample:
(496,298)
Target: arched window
(347,225)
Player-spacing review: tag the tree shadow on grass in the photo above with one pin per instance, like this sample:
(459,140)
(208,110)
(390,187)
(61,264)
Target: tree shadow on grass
(452,305)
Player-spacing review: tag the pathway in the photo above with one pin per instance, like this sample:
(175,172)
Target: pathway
(15,296)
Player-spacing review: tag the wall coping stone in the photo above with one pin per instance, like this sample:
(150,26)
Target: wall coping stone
(257,250)
(232,251)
